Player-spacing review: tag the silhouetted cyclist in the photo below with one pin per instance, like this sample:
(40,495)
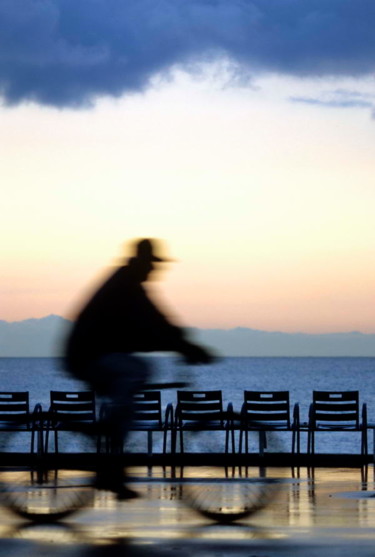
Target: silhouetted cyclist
(119,321)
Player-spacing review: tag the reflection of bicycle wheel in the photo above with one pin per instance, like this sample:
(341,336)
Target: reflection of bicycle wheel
(228,500)
(42,492)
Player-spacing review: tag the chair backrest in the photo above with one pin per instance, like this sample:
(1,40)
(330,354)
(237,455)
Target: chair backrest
(200,406)
(147,407)
(267,406)
(336,406)
(14,406)
(73,406)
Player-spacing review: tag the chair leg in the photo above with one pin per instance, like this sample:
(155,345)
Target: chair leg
(149,443)
(173,434)
(229,432)
(296,448)
(262,442)
(240,441)
(311,442)
(32,442)
(165,440)
(46,441)
(364,443)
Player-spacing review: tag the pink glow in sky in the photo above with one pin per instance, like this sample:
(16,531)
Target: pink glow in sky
(256,166)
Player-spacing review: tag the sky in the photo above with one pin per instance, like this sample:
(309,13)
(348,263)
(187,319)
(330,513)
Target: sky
(240,132)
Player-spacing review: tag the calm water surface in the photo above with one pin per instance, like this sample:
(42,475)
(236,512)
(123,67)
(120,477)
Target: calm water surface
(300,376)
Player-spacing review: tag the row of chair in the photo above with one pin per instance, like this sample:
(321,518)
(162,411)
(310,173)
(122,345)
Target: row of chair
(261,412)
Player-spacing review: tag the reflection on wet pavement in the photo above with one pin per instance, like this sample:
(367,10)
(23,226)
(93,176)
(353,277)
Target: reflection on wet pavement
(309,505)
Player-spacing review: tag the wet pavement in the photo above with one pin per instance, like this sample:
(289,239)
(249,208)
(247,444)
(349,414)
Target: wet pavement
(311,512)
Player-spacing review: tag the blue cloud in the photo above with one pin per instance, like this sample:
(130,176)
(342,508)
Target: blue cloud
(69,52)
(334,102)
(339,98)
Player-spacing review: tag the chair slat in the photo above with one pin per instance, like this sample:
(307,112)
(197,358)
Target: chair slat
(266,395)
(335,395)
(146,406)
(78,407)
(335,407)
(20,396)
(146,417)
(68,417)
(327,417)
(267,417)
(14,407)
(199,395)
(266,407)
(148,396)
(71,396)
(204,406)
(201,416)
(7,417)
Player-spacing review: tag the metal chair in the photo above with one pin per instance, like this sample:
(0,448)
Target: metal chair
(202,411)
(147,416)
(69,412)
(15,415)
(337,411)
(264,411)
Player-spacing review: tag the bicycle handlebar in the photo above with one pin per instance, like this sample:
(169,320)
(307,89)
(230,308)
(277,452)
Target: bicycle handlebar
(162,386)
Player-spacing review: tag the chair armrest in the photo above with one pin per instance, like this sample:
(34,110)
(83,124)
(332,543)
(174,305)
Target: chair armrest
(229,414)
(296,417)
(364,416)
(243,416)
(177,418)
(169,417)
(37,417)
(311,416)
(50,421)
(103,411)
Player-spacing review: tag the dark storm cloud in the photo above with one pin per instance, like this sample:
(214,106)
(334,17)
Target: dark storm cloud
(68,52)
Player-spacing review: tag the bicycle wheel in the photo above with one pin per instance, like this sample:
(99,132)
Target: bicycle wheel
(42,491)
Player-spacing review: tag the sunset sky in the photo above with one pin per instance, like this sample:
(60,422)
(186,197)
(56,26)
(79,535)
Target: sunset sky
(241,132)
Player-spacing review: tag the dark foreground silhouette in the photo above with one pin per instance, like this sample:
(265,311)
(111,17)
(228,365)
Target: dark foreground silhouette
(119,321)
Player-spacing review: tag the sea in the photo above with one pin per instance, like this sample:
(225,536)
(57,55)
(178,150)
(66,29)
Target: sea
(300,376)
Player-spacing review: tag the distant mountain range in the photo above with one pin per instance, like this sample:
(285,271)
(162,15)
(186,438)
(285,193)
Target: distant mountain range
(45,337)
(33,337)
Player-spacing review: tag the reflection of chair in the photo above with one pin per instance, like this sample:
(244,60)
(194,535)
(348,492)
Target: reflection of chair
(15,414)
(202,411)
(147,416)
(336,411)
(69,411)
(264,411)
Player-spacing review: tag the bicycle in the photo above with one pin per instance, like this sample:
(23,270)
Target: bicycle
(40,494)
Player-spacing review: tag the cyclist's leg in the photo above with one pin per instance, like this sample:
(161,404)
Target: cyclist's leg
(117,377)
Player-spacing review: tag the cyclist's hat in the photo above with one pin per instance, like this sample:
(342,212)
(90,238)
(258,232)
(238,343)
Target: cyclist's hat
(145,251)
